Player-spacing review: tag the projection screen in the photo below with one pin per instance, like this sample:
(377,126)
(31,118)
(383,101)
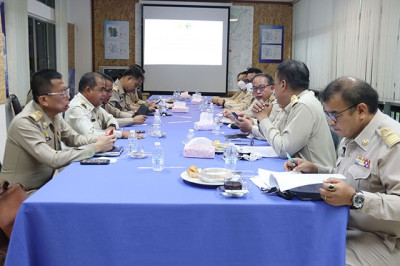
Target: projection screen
(185,48)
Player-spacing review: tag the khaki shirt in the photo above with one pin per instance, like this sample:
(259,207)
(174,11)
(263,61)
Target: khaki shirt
(88,119)
(301,130)
(132,98)
(242,103)
(119,98)
(379,142)
(239,97)
(124,118)
(33,148)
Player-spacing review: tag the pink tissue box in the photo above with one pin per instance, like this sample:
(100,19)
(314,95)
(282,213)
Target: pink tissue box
(199,151)
(195,101)
(202,126)
(180,109)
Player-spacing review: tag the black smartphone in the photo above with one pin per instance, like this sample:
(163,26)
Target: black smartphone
(235,115)
(95,161)
(140,131)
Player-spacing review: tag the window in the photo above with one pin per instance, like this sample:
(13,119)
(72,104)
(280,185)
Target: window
(49,3)
(42,45)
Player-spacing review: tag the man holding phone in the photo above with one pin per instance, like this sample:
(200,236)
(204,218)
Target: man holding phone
(33,149)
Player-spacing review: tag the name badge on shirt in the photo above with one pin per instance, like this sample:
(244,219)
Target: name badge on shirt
(46,135)
(360,160)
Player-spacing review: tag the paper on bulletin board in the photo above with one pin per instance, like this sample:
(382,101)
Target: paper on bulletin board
(116,39)
(271,44)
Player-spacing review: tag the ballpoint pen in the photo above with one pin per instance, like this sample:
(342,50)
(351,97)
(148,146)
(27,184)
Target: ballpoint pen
(291,159)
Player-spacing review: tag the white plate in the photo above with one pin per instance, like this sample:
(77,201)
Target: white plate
(137,155)
(233,193)
(185,177)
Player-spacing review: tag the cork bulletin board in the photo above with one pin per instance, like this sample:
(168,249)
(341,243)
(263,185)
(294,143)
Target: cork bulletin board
(265,13)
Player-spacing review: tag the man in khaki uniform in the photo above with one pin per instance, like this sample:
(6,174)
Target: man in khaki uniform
(85,114)
(369,156)
(263,89)
(128,83)
(33,148)
(242,88)
(300,128)
(243,101)
(124,118)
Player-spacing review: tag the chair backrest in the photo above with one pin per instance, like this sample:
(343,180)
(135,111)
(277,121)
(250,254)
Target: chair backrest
(15,104)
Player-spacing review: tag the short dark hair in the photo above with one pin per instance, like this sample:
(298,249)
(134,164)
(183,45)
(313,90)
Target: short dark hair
(241,73)
(352,91)
(89,79)
(295,73)
(265,75)
(41,82)
(135,72)
(253,70)
(107,77)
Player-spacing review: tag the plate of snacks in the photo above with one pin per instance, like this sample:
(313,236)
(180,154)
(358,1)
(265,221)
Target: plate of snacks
(204,176)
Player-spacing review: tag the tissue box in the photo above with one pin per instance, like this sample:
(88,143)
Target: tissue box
(199,148)
(185,95)
(203,126)
(195,101)
(180,109)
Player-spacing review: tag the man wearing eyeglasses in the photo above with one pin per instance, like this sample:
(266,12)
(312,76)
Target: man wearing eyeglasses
(369,159)
(300,128)
(86,115)
(33,148)
(263,89)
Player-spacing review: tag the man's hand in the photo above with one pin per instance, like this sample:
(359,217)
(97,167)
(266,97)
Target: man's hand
(302,166)
(104,143)
(226,112)
(152,107)
(125,134)
(337,192)
(108,129)
(245,123)
(221,102)
(139,119)
(262,110)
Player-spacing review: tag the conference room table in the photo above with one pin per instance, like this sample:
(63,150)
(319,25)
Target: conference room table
(122,214)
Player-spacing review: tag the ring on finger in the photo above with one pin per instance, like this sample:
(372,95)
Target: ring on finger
(331,187)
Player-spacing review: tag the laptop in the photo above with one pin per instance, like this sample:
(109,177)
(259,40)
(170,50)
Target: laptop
(114,152)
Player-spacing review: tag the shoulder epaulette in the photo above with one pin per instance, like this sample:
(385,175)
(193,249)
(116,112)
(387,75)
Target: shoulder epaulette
(116,88)
(271,98)
(36,115)
(293,100)
(390,137)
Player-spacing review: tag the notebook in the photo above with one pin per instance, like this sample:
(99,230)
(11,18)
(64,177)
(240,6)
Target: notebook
(116,151)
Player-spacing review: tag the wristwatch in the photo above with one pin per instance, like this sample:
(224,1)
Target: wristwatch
(357,200)
(112,125)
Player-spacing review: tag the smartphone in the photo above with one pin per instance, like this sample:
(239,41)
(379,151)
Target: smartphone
(140,131)
(235,115)
(94,161)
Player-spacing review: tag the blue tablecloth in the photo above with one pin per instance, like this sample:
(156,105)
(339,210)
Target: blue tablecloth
(118,214)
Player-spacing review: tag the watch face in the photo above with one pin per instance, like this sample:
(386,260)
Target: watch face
(358,200)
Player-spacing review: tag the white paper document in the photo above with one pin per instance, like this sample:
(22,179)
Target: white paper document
(291,181)
(265,151)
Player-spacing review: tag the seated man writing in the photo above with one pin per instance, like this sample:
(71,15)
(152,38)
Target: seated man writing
(33,148)
(369,155)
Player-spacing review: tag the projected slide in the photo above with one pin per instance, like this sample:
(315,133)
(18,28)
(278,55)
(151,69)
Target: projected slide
(183,42)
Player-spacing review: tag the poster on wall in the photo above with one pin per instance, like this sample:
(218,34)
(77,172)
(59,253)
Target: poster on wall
(271,44)
(116,39)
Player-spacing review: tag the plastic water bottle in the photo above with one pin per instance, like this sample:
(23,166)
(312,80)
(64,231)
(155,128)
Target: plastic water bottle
(197,92)
(216,129)
(189,136)
(163,109)
(212,107)
(158,157)
(156,128)
(132,142)
(231,157)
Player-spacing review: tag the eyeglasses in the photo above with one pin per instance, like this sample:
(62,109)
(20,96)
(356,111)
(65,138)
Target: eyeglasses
(108,91)
(334,115)
(261,87)
(64,93)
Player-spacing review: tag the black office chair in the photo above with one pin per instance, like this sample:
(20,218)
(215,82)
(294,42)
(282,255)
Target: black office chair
(15,104)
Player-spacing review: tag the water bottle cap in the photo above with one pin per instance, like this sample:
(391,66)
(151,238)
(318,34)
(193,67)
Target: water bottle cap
(191,130)
(132,131)
(157,143)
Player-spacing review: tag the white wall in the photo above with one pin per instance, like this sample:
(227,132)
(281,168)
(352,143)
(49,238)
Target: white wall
(79,13)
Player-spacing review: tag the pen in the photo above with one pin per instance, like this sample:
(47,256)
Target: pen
(291,159)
